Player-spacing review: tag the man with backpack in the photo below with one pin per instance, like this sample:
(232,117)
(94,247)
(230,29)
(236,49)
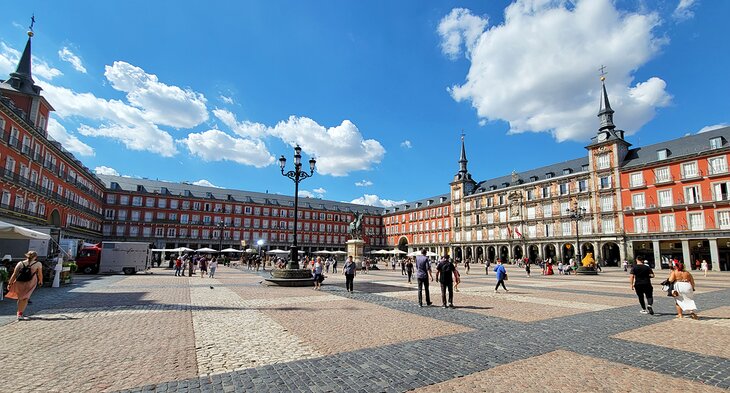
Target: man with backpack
(27,275)
(445,275)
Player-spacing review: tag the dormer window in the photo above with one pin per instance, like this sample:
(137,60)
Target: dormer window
(492,187)
(533,178)
(584,168)
(549,175)
(662,154)
(716,143)
(567,171)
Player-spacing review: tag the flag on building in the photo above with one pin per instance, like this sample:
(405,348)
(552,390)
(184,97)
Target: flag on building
(517,231)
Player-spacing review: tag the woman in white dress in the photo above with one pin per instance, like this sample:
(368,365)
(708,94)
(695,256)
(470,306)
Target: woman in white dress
(705,267)
(684,287)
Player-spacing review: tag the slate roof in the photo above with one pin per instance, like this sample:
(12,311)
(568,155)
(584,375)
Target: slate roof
(414,205)
(575,166)
(687,146)
(223,195)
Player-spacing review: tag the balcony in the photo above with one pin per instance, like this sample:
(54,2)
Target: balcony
(664,179)
(637,185)
(688,177)
(717,171)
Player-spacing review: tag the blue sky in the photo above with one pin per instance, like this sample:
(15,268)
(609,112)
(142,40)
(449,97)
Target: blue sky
(379,91)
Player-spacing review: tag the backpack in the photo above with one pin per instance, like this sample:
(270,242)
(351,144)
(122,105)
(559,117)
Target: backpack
(26,273)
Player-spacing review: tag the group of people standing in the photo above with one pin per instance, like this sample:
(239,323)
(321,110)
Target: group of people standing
(205,264)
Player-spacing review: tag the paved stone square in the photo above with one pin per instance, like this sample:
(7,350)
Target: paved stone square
(158,332)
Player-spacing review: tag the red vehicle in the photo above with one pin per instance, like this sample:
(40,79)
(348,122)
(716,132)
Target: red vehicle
(88,259)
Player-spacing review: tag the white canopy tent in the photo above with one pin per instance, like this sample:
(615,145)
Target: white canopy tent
(182,249)
(431,254)
(339,252)
(10,231)
(396,252)
(250,251)
(206,249)
(322,252)
(379,252)
(413,254)
(277,251)
(230,250)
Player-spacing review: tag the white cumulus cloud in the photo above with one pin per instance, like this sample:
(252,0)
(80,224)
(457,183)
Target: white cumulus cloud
(70,142)
(306,194)
(320,190)
(374,200)
(244,128)
(538,70)
(406,144)
(460,28)
(712,127)
(216,145)
(105,170)
(364,183)
(160,103)
(684,10)
(226,99)
(339,150)
(205,183)
(68,56)
(316,193)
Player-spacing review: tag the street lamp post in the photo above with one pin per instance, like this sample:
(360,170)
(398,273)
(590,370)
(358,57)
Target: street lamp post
(260,243)
(576,214)
(221,226)
(297,175)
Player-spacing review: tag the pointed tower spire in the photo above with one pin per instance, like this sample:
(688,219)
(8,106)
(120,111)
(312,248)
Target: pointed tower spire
(462,159)
(22,79)
(605,113)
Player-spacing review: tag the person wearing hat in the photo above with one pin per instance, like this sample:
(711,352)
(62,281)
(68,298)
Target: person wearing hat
(27,275)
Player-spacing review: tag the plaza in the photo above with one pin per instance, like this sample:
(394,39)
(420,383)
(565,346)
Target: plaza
(158,332)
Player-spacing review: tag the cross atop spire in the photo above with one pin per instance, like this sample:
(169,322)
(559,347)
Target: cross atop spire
(462,158)
(605,113)
(22,79)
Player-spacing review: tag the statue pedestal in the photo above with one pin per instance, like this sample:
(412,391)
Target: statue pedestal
(355,249)
(290,278)
(591,271)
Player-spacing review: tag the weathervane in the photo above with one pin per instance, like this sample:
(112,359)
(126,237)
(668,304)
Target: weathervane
(603,72)
(462,135)
(32,22)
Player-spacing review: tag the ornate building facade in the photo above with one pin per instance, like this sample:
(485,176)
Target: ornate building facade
(43,186)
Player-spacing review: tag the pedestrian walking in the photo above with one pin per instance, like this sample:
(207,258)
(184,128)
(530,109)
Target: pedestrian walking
(317,273)
(327,265)
(683,293)
(349,270)
(467,264)
(27,275)
(403,268)
(457,276)
(212,267)
(445,276)
(203,266)
(334,265)
(501,273)
(705,267)
(423,272)
(178,267)
(392,262)
(486,266)
(409,269)
(625,265)
(527,268)
(640,278)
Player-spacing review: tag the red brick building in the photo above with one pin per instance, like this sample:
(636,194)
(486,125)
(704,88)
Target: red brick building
(676,198)
(420,224)
(171,215)
(43,186)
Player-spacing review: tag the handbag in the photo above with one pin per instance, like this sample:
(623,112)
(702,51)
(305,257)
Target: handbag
(505,277)
(668,287)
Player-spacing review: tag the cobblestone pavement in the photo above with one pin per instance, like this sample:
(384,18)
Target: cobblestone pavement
(549,333)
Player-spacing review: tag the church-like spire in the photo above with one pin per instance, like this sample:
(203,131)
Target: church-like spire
(462,159)
(22,79)
(605,113)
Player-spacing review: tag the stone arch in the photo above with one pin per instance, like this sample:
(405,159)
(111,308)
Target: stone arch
(403,244)
(479,253)
(504,253)
(55,218)
(491,253)
(568,252)
(585,248)
(517,252)
(457,253)
(533,252)
(467,253)
(611,254)
(549,251)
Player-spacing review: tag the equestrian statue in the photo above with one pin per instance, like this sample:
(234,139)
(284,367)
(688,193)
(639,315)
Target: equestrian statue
(355,228)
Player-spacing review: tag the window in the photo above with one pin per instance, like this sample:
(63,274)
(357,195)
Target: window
(548,230)
(662,154)
(636,179)
(607,226)
(717,165)
(564,207)
(174,203)
(640,225)
(667,222)
(547,210)
(501,199)
(150,202)
(137,201)
(148,216)
(162,203)
(692,194)
(662,175)
(716,143)
(665,198)
(605,182)
(531,212)
(532,231)
(503,216)
(567,227)
(723,219)
(135,215)
(564,188)
(603,161)
(530,195)
(689,170)
(582,185)
(637,201)
(111,199)
(546,191)
(606,203)
(585,227)
(109,214)
(585,204)
(696,221)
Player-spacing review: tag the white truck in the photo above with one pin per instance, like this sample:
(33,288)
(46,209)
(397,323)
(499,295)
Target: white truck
(125,257)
